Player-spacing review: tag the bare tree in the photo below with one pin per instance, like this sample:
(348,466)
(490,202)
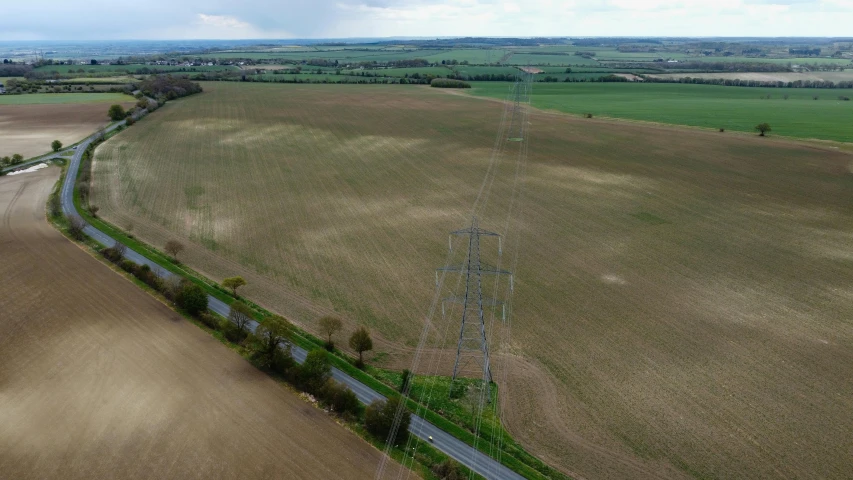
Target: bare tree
(240,315)
(173,248)
(76,226)
(54,205)
(329,326)
(120,249)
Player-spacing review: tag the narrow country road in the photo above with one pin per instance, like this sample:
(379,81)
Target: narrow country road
(447,443)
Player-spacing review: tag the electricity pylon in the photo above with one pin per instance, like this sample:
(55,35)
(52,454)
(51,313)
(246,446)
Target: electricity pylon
(473,345)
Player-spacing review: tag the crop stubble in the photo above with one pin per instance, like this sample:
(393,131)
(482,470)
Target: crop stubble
(100,380)
(682,300)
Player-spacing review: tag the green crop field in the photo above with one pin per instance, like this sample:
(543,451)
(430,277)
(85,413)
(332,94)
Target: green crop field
(65,69)
(535,59)
(682,297)
(108,70)
(47,98)
(711,106)
(605,55)
(96,80)
(313,77)
(475,56)
(400,72)
(352,56)
(483,70)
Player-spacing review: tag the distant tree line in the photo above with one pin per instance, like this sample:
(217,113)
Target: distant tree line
(732,82)
(14,70)
(448,83)
(723,66)
(806,52)
(603,41)
(450,43)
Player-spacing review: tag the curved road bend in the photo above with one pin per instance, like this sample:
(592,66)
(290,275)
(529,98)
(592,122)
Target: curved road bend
(447,443)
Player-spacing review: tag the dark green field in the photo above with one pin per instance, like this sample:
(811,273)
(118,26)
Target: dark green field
(709,106)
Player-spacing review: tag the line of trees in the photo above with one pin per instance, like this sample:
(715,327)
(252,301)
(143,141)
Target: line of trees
(15,70)
(806,52)
(13,160)
(449,83)
(314,376)
(733,82)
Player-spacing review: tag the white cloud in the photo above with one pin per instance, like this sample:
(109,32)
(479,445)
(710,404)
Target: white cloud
(54,19)
(222,21)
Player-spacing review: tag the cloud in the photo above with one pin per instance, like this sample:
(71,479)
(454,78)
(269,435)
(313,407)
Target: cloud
(222,21)
(226,19)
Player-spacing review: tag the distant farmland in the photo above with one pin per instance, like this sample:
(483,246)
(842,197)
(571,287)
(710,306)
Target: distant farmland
(682,297)
(709,106)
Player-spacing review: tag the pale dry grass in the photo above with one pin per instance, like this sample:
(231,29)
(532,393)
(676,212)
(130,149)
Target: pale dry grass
(682,300)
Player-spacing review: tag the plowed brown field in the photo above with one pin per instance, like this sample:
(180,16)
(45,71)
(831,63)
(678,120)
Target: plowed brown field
(683,298)
(29,129)
(98,380)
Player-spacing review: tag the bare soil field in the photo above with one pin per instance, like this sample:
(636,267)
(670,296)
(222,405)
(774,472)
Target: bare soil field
(531,69)
(683,297)
(845,75)
(29,129)
(98,380)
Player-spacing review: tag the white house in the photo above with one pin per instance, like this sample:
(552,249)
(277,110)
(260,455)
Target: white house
(2,89)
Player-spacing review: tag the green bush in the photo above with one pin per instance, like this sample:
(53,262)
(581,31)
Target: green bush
(283,363)
(209,320)
(144,273)
(54,205)
(315,371)
(192,298)
(379,419)
(339,398)
(116,112)
(114,254)
(232,332)
(448,470)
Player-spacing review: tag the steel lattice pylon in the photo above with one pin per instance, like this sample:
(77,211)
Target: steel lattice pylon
(473,345)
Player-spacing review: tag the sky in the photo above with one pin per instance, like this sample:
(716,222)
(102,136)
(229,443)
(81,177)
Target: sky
(283,19)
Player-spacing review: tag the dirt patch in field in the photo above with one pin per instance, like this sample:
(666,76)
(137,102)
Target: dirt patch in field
(98,380)
(531,69)
(630,76)
(673,285)
(29,129)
